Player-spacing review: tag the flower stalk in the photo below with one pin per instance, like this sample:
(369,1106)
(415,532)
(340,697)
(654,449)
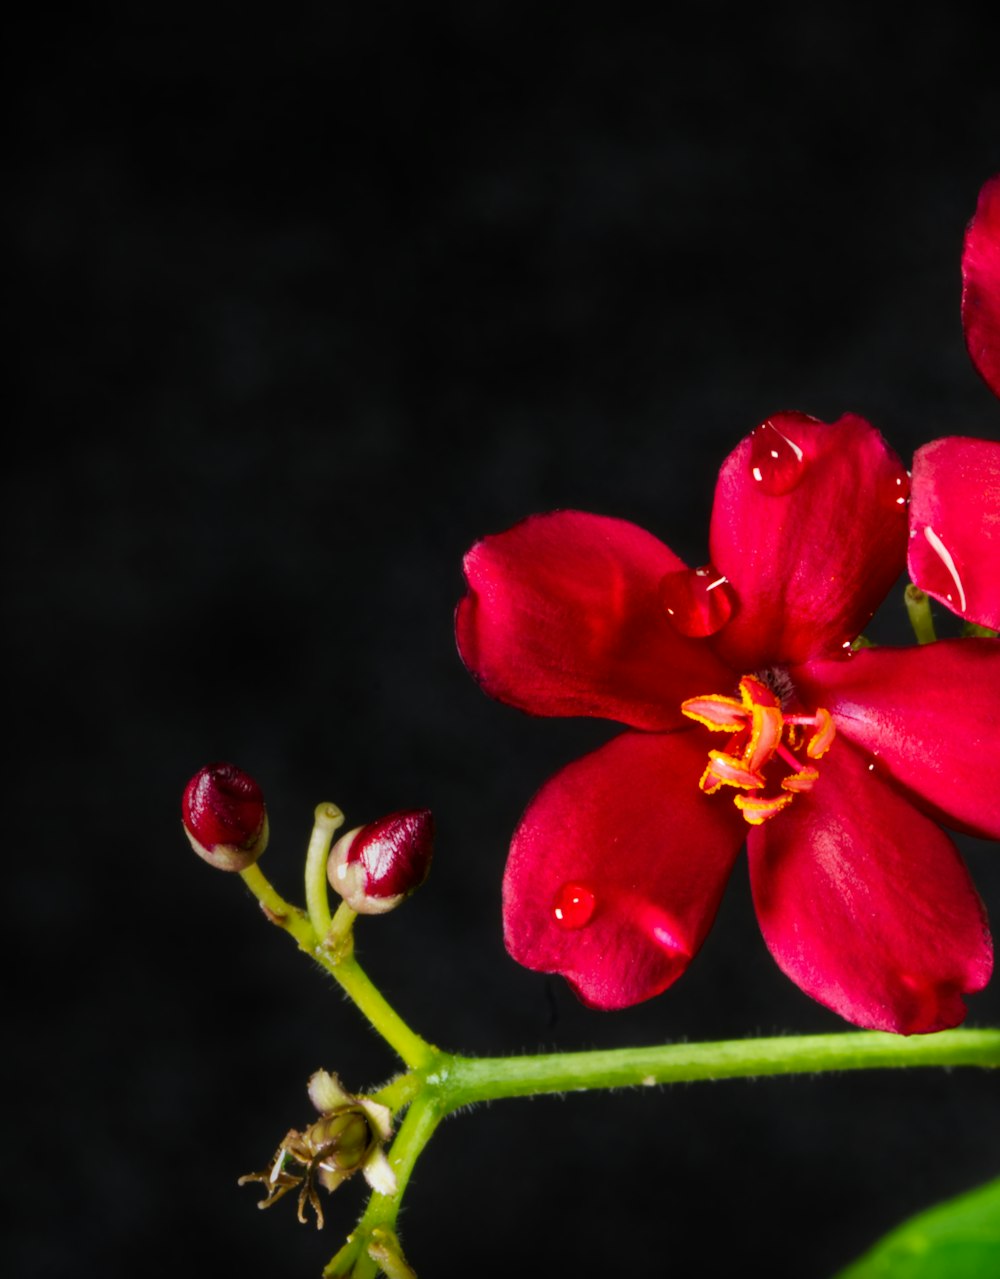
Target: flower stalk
(327,819)
(918,608)
(437,1083)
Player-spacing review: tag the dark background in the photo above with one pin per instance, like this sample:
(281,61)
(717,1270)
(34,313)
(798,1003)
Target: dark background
(305,306)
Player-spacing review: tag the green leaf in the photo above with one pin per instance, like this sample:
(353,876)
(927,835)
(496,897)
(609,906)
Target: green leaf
(959,1239)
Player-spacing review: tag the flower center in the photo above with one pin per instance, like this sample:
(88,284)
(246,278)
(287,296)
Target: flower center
(761,735)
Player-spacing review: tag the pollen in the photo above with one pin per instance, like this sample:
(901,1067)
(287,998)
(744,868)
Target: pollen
(770,756)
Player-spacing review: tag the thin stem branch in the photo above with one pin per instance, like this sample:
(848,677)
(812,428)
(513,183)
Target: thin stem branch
(398,1092)
(340,963)
(326,820)
(279,911)
(411,1047)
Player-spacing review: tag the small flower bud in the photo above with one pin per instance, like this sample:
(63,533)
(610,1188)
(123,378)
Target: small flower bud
(374,867)
(225,818)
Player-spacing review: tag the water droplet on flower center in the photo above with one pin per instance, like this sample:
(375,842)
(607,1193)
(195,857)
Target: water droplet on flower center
(777,463)
(698,601)
(573,906)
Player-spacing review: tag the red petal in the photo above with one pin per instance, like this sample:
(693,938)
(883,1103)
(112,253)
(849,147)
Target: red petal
(981,285)
(954,551)
(866,904)
(925,716)
(625,849)
(563,617)
(812,556)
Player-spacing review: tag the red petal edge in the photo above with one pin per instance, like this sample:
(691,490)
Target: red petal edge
(954,550)
(981,285)
(626,836)
(866,905)
(563,617)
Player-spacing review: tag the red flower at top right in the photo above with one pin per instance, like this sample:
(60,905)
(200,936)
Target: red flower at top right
(981,285)
(954,548)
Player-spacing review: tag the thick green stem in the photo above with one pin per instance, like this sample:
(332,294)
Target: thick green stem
(469,1079)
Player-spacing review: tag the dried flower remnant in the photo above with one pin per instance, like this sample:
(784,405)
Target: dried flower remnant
(834,766)
(347,1138)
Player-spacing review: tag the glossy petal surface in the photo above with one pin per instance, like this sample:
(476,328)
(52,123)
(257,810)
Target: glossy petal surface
(563,617)
(954,549)
(981,285)
(810,563)
(925,716)
(866,905)
(643,847)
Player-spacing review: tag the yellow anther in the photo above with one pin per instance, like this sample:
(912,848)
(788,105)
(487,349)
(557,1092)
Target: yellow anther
(822,739)
(760,730)
(757,809)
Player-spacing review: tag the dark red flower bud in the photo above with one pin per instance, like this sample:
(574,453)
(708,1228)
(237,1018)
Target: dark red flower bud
(225,817)
(374,867)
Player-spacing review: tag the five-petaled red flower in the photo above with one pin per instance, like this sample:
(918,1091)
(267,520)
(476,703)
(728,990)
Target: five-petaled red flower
(954,551)
(748,716)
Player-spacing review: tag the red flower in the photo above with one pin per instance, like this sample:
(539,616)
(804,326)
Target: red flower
(954,551)
(981,285)
(747,716)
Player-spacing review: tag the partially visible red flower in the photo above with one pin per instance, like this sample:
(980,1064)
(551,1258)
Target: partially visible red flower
(747,716)
(981,285)
(954,552)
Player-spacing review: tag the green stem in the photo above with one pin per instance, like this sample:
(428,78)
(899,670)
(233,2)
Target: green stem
(456,1082)
(414,1050)
(326,820)
(469,1079)
(278,911)
(398,1092)
(918,606)
(339,962)
(415,1131)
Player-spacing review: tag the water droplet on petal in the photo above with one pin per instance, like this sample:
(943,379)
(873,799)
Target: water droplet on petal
(777,463)
(573,906)
(941,576)
(698,601)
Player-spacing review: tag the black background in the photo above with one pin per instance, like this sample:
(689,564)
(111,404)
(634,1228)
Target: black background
(304,307)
